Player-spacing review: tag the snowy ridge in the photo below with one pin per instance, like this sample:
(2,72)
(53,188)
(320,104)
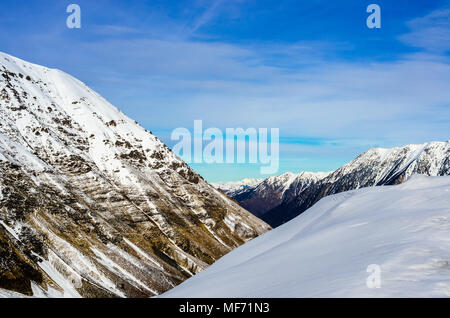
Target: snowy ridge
(325,251)
(375,167)
(82,181)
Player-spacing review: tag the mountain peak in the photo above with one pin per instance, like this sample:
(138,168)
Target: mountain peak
(89,196)
(376,166)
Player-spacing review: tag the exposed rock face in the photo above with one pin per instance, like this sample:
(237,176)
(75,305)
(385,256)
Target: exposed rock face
(92,204)
(376,167)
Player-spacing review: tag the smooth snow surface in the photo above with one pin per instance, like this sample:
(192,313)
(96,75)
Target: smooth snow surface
(325,252)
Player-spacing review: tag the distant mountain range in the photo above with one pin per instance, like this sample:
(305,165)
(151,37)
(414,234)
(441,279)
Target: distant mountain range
(277,200)
(390,241)
(233,187)
(92,204)
(260,196)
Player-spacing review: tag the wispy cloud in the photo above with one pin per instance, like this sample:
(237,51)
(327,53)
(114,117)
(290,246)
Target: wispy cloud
(431,32)
(234,85)
(207,15)
(113,30)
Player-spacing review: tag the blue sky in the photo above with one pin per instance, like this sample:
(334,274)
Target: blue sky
(312,68)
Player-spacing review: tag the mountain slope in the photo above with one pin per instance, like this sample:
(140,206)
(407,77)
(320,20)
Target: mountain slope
(94,205)
(375,167)
(325,252)
(272,191)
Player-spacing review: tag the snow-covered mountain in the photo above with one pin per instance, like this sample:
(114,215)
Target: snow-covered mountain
(375,167)
(91,203)
(232,187)
(393,237)
(279,199)
(269,193)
